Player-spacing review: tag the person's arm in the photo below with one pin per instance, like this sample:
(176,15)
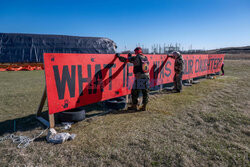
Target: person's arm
(122,59)
(130,58)
(171,56)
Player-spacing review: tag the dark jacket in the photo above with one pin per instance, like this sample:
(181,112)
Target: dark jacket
(179,65)
(136,60)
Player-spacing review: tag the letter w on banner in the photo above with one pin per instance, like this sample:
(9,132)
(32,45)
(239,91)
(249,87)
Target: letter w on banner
(75,80)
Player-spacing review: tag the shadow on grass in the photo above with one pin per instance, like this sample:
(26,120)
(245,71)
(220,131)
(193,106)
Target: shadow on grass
(30,122)
(124,111)
(26,123)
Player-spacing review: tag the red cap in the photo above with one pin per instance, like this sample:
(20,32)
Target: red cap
(138,50)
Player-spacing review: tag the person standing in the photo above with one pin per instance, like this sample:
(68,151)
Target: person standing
(179,69)
(141,72)
(222,69)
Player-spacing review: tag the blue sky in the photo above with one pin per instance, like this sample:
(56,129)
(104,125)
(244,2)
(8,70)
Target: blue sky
(201,23)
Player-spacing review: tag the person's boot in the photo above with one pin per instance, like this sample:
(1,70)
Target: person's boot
(143,107)
(133,107)
(176,91)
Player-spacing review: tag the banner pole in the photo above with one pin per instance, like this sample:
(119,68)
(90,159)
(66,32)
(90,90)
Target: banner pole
(160,90)
(51,122)
(40,108)
(127,101)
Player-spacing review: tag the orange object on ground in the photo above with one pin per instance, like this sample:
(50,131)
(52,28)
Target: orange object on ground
(21,67)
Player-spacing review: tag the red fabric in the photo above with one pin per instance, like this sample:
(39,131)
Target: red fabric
(74,80)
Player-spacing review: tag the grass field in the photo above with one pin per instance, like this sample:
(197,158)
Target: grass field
(208,124)
(239,56)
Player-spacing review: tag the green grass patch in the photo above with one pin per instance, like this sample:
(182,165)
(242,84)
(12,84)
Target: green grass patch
(205,125)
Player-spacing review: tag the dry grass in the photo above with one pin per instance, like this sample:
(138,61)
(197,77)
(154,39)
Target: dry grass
(206,125)
(240,56)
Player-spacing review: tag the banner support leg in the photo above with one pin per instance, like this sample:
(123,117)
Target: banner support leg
(127,101)
(40,108)
(160,90)
(51,122)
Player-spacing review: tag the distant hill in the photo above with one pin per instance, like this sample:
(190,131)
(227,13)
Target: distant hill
(231,50)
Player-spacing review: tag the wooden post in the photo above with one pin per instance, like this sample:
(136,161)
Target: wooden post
(127,101)
(160,90)
(51,122)
(40,108)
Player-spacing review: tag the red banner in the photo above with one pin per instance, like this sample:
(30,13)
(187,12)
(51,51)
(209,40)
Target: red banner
(75,80)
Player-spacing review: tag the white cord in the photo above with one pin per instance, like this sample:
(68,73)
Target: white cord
(22,141)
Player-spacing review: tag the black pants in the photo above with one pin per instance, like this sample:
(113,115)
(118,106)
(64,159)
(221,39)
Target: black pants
(222,68)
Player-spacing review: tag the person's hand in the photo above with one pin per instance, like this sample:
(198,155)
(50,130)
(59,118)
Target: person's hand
(170,56)
(117,55)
